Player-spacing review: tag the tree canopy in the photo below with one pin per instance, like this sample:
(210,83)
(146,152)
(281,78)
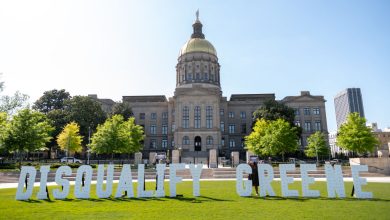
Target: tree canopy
(122,108)
(11,104)
(70,139)
(316,145)
(272,138)
(117,136)
(273,110)
(52,100)
(355,136)
(28,130)
(86,112)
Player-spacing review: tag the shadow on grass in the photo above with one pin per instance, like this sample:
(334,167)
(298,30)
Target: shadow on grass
(303,199)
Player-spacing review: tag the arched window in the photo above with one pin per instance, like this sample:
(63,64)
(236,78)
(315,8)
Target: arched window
(186,140)
(209,140)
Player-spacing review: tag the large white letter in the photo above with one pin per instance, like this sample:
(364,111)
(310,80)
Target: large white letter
(334,179)
(196,171)
(31,171)
(82,192)
(358,182)
(100,178)
(247,190)
(173,179)
(141,193)
(160,180)
(307,180)
(285,180)
(125,182)
(265,181)
(62,194)
(42,194)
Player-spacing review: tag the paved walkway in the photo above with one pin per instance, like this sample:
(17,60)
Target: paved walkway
(346,179)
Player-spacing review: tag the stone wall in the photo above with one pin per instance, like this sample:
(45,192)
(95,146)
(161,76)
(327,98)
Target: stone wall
(375,165)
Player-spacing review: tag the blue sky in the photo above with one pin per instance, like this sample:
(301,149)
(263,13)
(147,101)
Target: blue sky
(116,48)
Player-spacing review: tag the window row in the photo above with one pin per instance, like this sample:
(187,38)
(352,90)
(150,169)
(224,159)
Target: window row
(232,128)
(197,117)
(307,111)
(309,126)
(209,140)
(153,116)
(164,143)
(164,129)
(232,142)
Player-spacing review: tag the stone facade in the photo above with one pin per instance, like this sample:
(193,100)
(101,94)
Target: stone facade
(198,118)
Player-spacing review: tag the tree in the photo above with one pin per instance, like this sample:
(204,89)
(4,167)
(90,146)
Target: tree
(272,138)
(27,131)
(316,145)
(3,127)
(52,100)
(273,110)
(355,136)
(11,104)
(117,136)
(69,139)
(122,108)
(86,112)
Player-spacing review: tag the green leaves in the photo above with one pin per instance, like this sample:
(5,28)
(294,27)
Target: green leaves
(316,145)
(355,136)
(272,138)
(27,131)
(117,136)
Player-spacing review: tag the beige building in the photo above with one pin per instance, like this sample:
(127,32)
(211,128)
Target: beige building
(198,118)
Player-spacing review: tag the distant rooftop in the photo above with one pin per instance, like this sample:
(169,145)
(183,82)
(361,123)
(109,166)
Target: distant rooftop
(148,98)
(251,97)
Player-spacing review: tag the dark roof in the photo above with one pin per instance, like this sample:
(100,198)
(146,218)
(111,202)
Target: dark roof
(252,97)
(148,98)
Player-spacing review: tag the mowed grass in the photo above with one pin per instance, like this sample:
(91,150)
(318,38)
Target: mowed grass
(218,200)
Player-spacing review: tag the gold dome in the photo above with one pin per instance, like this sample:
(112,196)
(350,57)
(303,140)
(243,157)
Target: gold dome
(198,45)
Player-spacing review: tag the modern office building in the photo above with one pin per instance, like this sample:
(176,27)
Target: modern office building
(199,118)
(348,101)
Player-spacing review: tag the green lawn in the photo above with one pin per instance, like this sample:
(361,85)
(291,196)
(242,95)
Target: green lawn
(218,201)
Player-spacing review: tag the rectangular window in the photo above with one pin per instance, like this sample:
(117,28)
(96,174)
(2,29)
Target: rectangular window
(232,143)
(164,129)
(197,117)
(232,129)
(306,111)
(243,128)
(153,116)
(209,117)
(222,126)
(164,143)
(221,112)
(297,123)
(173,143)
(223,141)
(316,111)
(142,116)
(242,142)
(186,117)
(153,129)
(307,126)
(243,115)
(153,143)
(173,128)
(317,125)
(231,114)
(165,115)
(296,111)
